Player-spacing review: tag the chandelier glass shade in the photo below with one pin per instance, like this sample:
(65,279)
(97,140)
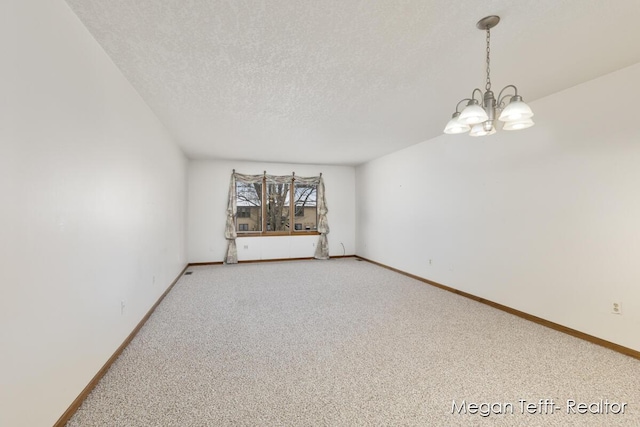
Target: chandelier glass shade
(482,111)
(473,114)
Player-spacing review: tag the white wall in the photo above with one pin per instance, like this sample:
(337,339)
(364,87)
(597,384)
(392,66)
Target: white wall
(93,210)
(544,220)
(208,192)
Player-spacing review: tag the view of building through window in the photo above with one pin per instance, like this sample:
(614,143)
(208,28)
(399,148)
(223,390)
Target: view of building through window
(306,217)
(266,207)
(249,207)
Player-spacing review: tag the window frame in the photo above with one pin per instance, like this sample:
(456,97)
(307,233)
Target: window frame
(264,232)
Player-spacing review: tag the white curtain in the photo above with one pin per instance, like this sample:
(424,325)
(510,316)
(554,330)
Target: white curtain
(232,207)
(230,227)
(322,248)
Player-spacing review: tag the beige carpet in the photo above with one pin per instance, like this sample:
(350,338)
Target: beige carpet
(346,343)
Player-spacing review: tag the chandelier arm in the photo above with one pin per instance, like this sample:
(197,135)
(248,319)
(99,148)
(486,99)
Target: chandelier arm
(461,101)
(501,98)
(473,94)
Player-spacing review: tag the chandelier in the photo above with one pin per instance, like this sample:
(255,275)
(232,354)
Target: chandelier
(479,116)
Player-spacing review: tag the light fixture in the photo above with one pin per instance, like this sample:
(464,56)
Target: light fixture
(479,115)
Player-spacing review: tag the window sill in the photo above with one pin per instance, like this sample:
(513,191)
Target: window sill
(276,234)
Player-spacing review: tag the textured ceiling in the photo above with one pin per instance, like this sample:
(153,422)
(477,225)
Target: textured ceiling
(343,82)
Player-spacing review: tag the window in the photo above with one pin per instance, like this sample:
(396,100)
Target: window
(306,205)
(267,207)
(249,207)
(244,212)
(277,207)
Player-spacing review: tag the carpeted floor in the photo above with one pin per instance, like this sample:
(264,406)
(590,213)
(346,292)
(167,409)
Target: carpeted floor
(347,343)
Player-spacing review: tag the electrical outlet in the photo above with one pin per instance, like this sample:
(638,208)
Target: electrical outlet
(429,261)
(616,308)
(122,305)
(246,246)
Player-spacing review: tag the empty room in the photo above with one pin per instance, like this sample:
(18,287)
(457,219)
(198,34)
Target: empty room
(319,213)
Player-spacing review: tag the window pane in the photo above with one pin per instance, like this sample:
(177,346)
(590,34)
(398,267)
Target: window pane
(249,207)
(306,207)
(278,207)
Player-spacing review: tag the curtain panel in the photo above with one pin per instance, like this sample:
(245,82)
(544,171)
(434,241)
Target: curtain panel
(322,248)
(230,227)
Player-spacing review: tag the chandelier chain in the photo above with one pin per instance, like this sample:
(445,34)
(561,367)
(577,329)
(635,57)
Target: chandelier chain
(488,85)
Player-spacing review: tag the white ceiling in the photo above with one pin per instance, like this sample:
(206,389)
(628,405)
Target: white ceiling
(345,81)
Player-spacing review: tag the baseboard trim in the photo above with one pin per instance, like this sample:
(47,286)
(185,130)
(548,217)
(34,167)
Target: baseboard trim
(252,261)
(556,326)
(66,416)
(196,264)
(292,259)
(267,260)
